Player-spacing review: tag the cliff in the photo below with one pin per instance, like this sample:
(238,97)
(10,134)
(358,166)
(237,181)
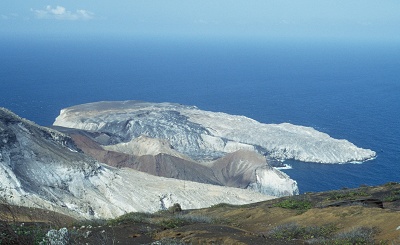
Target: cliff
(204,135)
(181,149)
(43,168)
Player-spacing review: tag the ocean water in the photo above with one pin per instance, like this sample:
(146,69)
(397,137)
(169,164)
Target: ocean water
(348,90)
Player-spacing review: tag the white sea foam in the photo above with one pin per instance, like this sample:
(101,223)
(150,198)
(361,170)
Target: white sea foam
(285,166)
(361,162)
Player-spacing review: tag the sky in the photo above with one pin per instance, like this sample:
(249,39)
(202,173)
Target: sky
(290,19)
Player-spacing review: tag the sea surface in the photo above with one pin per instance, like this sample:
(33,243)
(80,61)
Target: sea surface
(348,90)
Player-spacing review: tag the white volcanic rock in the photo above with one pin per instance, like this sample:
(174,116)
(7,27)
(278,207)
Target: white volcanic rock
(205,135)
(248,169)
(131,190)
(42,168)
(143,145)
(243,169)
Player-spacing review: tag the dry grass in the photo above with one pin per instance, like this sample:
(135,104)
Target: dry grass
(294,220)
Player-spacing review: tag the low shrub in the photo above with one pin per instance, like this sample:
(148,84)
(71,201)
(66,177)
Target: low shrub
(286,232)
(300,205)
(391,198)
(134,217)
(165,219)
(176,208)
(294,231)
(394,195)
(179,220)
(171,223)
(14,233)
(346,194)
(194,219)
(324,234)
(222,205)
(358,236)
(391,183)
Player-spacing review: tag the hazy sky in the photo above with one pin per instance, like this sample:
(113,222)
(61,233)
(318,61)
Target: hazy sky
(337,19)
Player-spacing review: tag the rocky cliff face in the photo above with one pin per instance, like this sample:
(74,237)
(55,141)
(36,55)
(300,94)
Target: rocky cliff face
(204,135)
(241,169)
(40,167)
(186,143)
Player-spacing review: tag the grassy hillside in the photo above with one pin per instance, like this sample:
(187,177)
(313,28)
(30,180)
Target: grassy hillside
(366,215)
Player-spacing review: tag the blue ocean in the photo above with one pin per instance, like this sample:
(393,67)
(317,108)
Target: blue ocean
(350,90)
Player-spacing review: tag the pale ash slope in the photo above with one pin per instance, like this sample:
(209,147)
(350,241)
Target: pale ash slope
(142,146)
(242,169)
(43,168)
(248,169)
(207,135)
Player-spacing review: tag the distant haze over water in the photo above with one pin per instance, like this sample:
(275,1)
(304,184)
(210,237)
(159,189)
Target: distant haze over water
(350,91)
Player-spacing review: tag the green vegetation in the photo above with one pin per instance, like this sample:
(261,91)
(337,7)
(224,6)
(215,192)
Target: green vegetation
(172,222)
(324,234)
(358,236)
(129,218)
(152,226)
(222,205)
(389,184)
(14,233)
(294,231)
(176,208)
(300,205)
(178,220)
(393,196)
(165,219)
(347,194)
